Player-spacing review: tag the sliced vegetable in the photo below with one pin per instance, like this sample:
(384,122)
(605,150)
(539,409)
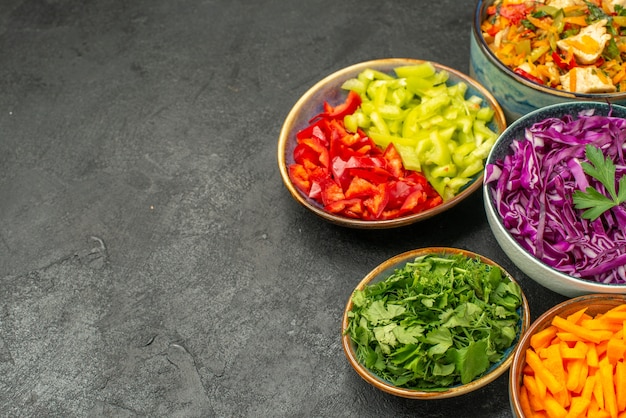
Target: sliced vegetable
(349,175)
(438,321)
(436,129)
(577,386)
(535,189)
(549,42)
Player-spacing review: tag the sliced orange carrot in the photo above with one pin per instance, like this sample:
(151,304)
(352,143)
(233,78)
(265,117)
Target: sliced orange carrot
(554,363)
(615,349)
(567,337)
(598,391)
(535,394)
(608,387)
(578,407)
(620,385)
(576,20)
(592,355)
(601,348)
(578,315)
(524,401)
(542,372)
(595,336)
(554,408)
(587,391)
(542,338)
(615,315)
(574,375)
(602,324)
(582,377)
(578,351)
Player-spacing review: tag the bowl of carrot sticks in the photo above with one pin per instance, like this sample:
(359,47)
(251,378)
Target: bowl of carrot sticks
(534,54)
(572,361)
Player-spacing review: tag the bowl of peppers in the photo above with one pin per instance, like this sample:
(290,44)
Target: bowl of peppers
(388,142)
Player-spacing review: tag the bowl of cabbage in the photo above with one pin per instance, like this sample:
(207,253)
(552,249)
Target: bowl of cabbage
(554,195)
(534,54)
(434,323)
(388,142)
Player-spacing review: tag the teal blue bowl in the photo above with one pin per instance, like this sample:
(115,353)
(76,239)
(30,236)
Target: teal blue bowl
(516,95)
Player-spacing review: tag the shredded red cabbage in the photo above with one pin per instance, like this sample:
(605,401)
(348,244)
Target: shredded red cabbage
(533,187)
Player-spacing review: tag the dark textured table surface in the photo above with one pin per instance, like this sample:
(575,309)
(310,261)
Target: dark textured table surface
(151,261)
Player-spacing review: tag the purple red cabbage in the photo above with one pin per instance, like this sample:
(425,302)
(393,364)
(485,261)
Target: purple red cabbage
(532,190)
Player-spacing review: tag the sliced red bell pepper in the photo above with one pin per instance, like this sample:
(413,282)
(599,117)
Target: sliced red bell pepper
(394,161)
(360,188)
(377,202)
(322,153)
(300,177)
(348,107)
(375,175)
(561,63)
(350,176)
(331,191)
(318,129)
(352,208)
(528,76)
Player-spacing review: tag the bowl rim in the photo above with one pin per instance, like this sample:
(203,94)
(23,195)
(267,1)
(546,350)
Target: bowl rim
(564,308)
(588,285)
(479,12)
(496,370)
(499,121)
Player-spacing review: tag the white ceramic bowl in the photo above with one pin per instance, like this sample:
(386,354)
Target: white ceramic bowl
(329,89)
(383,271)
(540,272)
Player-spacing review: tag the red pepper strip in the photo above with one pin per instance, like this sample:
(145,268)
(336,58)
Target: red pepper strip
(528,76)
(562,64)
(348,107)
(492,10)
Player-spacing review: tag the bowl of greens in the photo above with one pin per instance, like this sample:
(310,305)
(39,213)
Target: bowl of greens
(387,143)
(434,323)
(555,193)
(535,54)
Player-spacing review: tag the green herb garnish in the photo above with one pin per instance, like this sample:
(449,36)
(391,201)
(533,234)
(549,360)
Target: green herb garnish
(603,170)
(439,321)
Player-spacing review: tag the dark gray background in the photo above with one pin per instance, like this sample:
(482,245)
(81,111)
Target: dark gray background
(151,261)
